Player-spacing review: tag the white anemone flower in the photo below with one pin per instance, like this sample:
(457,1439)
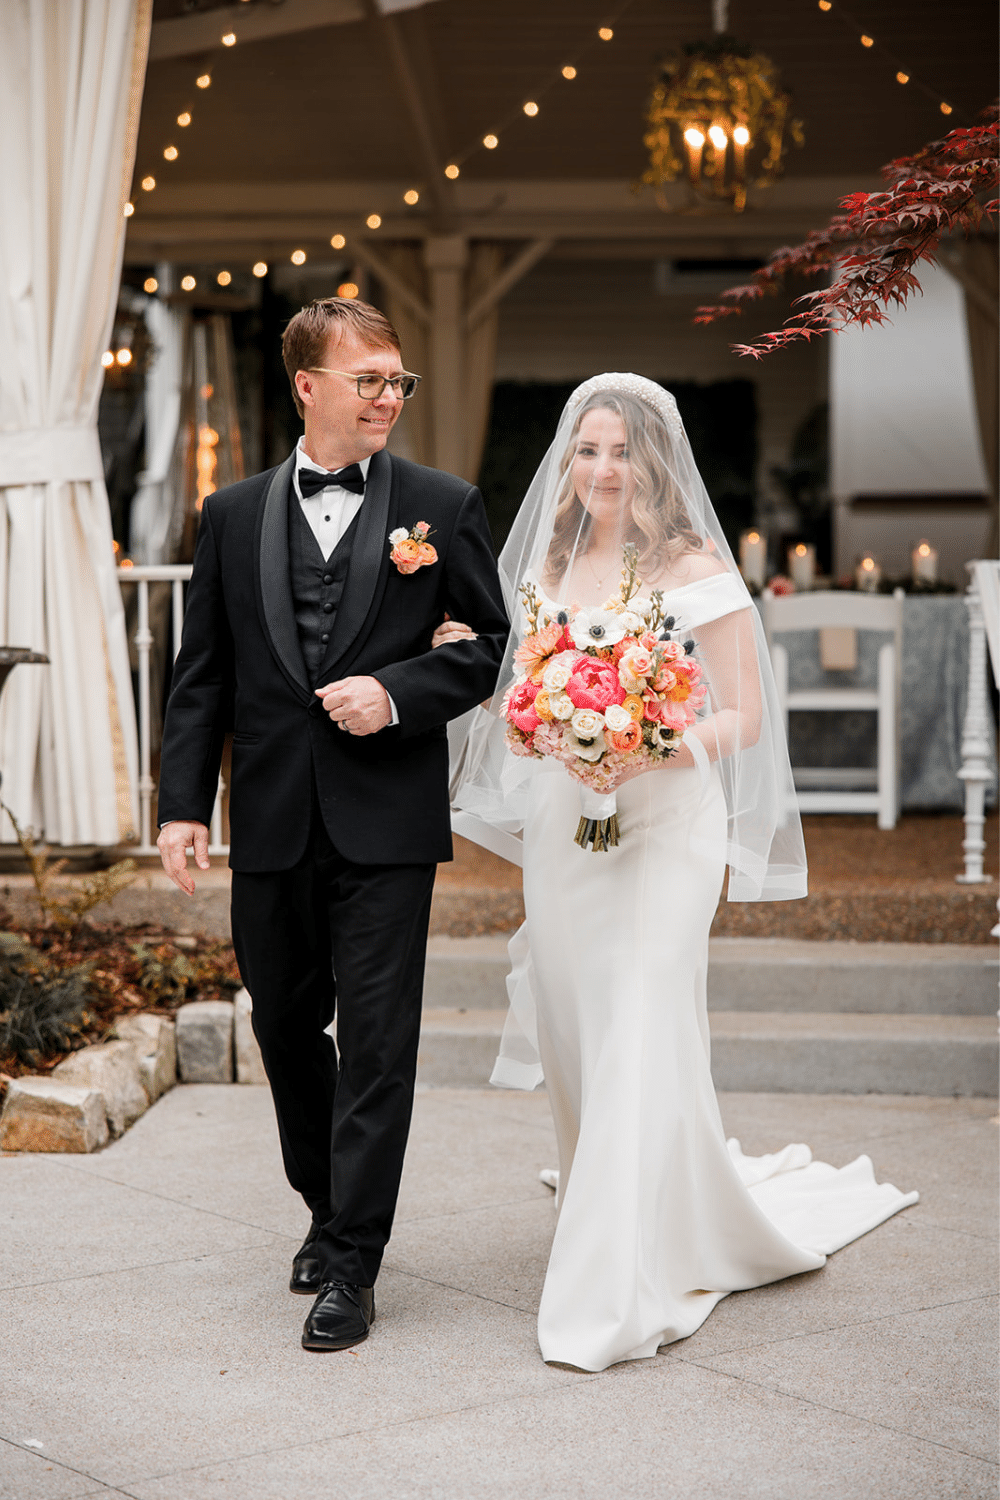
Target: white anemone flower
(597,627)
(585,747)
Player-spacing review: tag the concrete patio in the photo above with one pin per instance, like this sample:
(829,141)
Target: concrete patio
(151,1349)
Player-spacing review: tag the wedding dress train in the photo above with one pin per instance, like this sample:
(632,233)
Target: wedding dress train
(658,1217)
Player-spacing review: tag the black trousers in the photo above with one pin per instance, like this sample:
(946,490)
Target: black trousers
(329,940)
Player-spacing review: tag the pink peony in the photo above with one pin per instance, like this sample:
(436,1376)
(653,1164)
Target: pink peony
(594,684)
(520,706)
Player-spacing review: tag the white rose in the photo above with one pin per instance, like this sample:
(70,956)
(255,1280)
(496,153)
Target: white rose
(616,717)
(558,672)
(399,535)
(591,749)
(587,722)
(562,706)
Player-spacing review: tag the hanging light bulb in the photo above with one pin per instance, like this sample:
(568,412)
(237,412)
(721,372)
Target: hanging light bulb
(348,289)
(204,80)
(867,41)
(150,285)
(170,153)
(530,108)
(107,359)
(123,357)
(605,33)
(260,268)
(451,171)
(902,77)
(128,210)
(228,39)
(569,71)
(188,283)
(184,118)
(148,184)
(337,241)
(298,257)
(411,196)
(491,142)
(945,108)
(374,221)
(224,278)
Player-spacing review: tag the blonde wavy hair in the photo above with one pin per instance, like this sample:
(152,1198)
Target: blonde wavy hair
(660,525)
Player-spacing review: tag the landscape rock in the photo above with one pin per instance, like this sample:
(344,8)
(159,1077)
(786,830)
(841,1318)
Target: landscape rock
(205,1041)
(45,1114)
(249,1063)
(156,1047)
(113,1069)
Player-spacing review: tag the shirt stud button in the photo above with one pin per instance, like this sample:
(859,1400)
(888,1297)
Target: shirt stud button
(327,577)
(324,638)
(328,609)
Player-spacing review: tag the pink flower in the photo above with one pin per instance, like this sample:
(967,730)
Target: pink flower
(664,680)
(520,706)
(421,530)
(637,662)
(594,684)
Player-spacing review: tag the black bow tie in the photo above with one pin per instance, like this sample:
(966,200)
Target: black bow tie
(311,481)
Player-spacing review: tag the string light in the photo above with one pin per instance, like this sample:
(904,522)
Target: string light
(867,41)
(605,33)
(411,196)
(348,289)
(184,118)
(229,39)
(826,4)
(530,108)
(107,359)
(491,142)
(374,221)
(123,357)
(569,71)
(298,257)
(451,171)
(170,153)
(902,77)
(901,74)
(204,80)
(260,268)
(188,283)
(128,210)
(945,108)
(148,184)
(223,278)
(337,241)
(150,285)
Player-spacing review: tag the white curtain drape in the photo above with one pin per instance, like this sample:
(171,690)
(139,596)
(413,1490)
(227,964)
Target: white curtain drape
(71,77)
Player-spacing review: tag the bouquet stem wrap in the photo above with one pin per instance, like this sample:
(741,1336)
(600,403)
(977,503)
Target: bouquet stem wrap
(598,826)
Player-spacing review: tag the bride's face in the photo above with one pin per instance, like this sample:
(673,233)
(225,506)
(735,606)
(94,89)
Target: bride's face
(601,472)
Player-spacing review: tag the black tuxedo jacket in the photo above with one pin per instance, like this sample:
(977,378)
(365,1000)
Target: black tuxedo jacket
(383,797)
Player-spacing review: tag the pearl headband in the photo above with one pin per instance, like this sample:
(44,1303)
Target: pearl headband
(637,386)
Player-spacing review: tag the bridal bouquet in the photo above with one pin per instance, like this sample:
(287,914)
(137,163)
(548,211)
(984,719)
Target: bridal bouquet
(602,690)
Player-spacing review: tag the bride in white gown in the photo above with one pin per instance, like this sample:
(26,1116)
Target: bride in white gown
(658,1217)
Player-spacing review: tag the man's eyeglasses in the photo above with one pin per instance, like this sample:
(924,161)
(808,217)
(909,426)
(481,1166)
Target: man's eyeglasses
(370,387)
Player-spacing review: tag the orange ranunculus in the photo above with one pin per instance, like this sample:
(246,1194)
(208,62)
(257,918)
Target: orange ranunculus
(406,555)
(635,706)
(541,707)
(622,739)
(428,554)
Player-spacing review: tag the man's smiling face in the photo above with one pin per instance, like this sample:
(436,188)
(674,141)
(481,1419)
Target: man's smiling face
(336,417)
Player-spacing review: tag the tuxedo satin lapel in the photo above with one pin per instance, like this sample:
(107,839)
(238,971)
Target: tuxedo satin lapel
(275,577)
(369,564)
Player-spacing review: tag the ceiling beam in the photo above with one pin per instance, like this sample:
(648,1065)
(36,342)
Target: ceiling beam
(508,277)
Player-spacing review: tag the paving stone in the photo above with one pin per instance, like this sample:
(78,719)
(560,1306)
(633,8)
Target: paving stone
(45,1114)
(249,1063)
(156,1047)
(113,1069)
(205,1041)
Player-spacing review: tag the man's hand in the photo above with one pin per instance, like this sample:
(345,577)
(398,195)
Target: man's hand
(174,841)
(358,704)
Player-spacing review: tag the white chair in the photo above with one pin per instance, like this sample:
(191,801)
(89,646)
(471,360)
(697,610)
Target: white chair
(818,611)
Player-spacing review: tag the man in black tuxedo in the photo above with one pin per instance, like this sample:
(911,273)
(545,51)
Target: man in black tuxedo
(305,636)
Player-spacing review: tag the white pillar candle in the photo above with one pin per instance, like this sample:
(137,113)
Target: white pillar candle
(868,575)
(925,561)
(802,565)
(753,558)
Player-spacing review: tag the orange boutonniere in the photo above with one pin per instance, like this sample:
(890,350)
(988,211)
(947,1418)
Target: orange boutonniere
(411,549)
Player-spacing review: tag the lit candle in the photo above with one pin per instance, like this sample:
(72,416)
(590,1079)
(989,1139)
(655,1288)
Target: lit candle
(719,140)
(925,561)
(802,565)
(868,575)
(753,558)
(694,141)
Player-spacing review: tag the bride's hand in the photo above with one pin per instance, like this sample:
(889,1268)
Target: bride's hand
(451,630)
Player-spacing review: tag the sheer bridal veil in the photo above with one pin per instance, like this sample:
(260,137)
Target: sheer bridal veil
(662,508)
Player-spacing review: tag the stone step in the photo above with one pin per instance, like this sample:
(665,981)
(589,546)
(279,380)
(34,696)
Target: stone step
(769,974)
(771,1052)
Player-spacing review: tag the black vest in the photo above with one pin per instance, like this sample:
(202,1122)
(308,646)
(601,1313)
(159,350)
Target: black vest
(317,585)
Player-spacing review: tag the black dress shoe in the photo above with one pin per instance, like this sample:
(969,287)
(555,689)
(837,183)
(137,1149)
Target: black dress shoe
(306,1277)
(341,1316)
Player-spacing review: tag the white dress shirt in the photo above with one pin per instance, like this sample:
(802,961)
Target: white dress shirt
(329,514)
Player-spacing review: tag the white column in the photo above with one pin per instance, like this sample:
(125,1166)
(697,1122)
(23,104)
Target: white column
(445,257)
(975,770)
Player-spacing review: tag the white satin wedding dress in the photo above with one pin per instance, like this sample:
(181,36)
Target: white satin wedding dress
(658,1218)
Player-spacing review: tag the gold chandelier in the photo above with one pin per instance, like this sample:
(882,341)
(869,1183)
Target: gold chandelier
(719,117)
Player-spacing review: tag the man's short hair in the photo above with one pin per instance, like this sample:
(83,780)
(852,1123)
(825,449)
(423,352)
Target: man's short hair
(305,340)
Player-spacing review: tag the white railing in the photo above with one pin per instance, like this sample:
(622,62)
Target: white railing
(976,772)
(176,574)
